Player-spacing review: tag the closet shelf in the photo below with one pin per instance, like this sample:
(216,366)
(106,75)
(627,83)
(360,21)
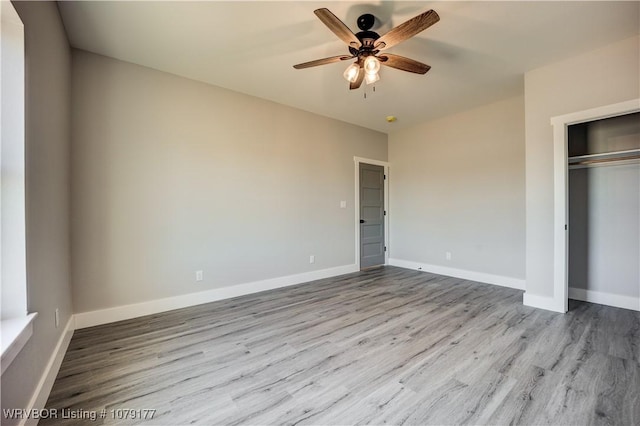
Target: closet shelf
(605,157)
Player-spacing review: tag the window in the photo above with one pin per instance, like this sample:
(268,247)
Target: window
(16,324)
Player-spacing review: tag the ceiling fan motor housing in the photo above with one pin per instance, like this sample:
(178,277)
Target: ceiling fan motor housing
(367,38)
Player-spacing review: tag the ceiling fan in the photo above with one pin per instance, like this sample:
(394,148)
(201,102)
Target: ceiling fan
(366,45)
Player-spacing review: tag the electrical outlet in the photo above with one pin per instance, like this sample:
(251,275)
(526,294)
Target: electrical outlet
(343,204)
(312,259)
(199,275)
(448,255)
(57,317)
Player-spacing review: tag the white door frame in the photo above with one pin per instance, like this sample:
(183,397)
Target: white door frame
(561,193)
(357,161)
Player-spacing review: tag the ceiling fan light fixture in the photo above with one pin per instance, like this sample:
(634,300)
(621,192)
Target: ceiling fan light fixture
(365,45)
(351,73)
(371,65)
(371,78)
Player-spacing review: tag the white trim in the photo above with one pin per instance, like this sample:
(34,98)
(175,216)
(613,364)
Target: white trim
(357,161)
(481,277)
(41,394)
(609,299)
(560,218)
(542,302)
(560,189)
(119,313)
(598,113)
(15,333)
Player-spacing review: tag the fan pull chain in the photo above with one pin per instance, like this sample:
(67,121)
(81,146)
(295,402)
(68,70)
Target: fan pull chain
(365,91)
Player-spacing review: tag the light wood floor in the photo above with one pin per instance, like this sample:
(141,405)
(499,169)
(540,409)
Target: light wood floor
(385,346)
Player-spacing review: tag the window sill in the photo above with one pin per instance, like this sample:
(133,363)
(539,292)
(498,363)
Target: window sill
(16,332)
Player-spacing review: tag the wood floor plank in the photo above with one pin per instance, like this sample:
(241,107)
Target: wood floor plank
(387,345)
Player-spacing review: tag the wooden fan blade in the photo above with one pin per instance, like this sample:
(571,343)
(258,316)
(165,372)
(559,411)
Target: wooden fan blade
(407,29)
(360,78)
(338,27)
(322,62)
(404,64)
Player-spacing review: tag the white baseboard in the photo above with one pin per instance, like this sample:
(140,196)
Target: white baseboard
(500,280)
(542,302)
(119,313)
(43,389)
(609,299)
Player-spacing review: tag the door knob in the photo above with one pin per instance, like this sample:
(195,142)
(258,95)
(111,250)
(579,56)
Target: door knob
(361,220)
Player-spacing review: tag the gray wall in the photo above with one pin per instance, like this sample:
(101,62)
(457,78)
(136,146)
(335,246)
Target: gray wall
(601,77)
(171,176)
(457,185)
(48,70)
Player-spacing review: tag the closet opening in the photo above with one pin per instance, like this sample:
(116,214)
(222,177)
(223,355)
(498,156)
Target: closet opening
(559,302)
(603,195)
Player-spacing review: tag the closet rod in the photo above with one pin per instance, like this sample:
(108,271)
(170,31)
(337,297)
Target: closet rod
(604,160)
(608,154)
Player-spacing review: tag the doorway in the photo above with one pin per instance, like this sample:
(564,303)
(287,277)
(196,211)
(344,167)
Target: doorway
(371,208)
(561,224)
(372,244)
(604,207)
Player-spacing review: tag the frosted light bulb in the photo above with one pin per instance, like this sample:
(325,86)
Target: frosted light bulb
(370,78)
(351,73)
(371,65)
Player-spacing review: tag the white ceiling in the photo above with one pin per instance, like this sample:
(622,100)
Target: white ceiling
(478,51)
